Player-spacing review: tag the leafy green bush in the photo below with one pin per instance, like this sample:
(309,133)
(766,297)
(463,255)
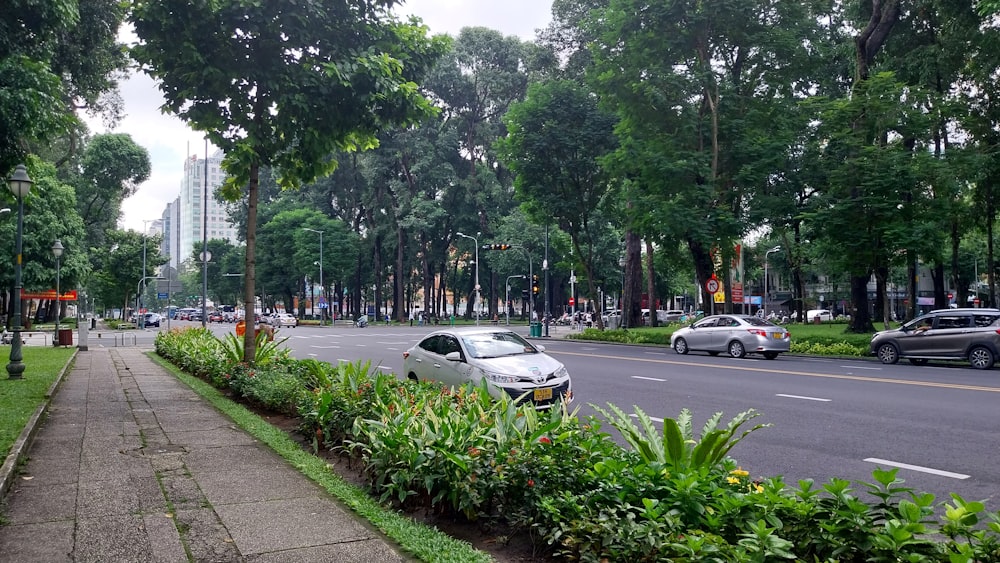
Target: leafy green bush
(829,349)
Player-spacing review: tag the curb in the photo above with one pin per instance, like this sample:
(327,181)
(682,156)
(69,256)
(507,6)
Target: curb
(23,443)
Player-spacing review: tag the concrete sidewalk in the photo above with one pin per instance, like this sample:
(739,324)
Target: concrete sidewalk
(131,465)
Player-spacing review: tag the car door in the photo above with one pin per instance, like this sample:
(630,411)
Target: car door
(700,335)
(950,335)
(724,331)
(912,339)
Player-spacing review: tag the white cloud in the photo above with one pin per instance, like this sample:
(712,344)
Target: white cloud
(168,139)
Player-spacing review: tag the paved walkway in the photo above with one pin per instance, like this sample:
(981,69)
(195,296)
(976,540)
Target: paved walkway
(131,465)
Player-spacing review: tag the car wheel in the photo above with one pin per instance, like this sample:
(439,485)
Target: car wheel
(681,346)
(888,354)
(412,376)
(918,361)
(770,355)
(736,349)
(981,358)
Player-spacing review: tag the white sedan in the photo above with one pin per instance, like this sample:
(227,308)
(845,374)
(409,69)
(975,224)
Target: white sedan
(510,364)
(279,320)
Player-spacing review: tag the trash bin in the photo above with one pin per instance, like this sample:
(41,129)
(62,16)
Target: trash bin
(65,337)
(93,323)
(535,329)
(241,329)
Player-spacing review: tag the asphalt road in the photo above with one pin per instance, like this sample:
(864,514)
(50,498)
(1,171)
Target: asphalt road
(830,417)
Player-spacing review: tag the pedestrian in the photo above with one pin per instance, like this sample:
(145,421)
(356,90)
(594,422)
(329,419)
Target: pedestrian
(387,319)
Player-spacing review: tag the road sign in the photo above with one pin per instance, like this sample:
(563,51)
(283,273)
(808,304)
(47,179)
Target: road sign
(321,305)
(572,301)
(162,296)
(712,285)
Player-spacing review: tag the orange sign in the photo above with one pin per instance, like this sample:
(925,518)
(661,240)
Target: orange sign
(49,294)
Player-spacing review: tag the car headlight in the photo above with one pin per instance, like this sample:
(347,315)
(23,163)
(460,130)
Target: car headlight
(496,377)
(561,372)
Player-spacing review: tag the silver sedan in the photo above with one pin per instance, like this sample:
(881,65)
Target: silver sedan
(738,335)
(510,364)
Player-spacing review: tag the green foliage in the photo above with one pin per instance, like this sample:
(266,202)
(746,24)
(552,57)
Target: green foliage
(266,352)
(679,450)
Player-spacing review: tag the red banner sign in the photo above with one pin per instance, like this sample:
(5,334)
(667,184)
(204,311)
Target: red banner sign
(49,294)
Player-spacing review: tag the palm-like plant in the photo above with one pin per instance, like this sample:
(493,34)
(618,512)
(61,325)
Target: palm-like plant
(678,449)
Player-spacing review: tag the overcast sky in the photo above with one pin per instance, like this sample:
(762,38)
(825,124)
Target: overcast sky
(168,139)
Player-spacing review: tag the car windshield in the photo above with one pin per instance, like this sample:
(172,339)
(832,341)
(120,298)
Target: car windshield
(496,344)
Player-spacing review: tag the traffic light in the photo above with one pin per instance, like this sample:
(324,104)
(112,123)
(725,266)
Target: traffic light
(501,246)
(534,284)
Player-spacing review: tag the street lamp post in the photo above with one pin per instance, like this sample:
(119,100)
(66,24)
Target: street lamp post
(142,301)
(506,303)
(322,288)
(205,256)
(57,251)
(478,299)
(20,185)
(764,297)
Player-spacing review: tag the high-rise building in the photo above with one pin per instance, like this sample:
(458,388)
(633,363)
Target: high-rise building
(171,232)
(194,214)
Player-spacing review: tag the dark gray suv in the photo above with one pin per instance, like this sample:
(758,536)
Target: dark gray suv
(944,334)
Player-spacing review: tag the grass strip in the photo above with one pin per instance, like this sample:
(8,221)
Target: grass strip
(424,542)
(19,398)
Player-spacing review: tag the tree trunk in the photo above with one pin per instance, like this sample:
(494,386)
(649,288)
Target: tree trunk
(882,301)
(250,267)
(861,319)
(631,309)
(650,283)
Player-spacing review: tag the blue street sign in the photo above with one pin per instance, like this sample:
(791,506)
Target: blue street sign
(163,296)
(321,305)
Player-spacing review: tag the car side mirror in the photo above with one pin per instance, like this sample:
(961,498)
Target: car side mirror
(540,348)
(453,356)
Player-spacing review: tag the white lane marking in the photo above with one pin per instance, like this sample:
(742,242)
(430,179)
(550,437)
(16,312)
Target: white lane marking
(648,378)
(916,468)
(803,397)
(653,418)
(311,354)
(395,343)
(861,367)
(384,368)
(325,347)
(657,353)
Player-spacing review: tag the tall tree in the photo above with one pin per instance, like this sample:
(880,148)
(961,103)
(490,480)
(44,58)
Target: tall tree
(557,136)
(284,83)
(111,169)
(56,57)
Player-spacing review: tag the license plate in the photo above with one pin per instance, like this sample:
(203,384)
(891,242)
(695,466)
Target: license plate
(778,335)
(543,394)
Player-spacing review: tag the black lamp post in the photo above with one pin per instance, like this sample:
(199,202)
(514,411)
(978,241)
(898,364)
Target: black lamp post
(57,251)
(20,185)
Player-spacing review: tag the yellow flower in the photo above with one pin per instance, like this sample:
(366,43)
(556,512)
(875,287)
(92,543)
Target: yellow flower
(739,472)
(756,488)
(732,480)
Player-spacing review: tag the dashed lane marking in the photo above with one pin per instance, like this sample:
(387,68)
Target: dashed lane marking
(803,398)
(919,468)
